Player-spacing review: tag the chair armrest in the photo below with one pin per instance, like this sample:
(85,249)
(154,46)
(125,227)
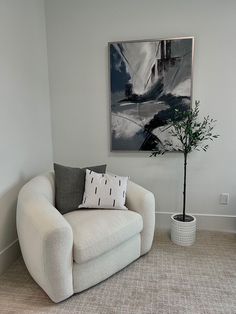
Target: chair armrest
(46,242)
(142,201)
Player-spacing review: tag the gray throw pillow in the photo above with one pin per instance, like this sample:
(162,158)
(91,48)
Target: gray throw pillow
(69,186)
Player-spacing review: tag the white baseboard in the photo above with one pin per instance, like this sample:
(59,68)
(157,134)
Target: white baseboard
(9,255)
(224,223)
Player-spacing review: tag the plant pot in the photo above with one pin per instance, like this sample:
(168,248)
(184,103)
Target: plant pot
(183,232)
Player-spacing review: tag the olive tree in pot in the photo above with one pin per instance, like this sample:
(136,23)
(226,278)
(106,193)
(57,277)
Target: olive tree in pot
(192,135)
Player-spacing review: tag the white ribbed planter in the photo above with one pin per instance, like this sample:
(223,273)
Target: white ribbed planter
(182,232)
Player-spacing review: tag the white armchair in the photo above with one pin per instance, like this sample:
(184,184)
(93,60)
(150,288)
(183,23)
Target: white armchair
(69,253)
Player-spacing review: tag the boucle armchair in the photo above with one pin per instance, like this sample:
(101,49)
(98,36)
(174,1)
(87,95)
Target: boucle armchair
(69,253)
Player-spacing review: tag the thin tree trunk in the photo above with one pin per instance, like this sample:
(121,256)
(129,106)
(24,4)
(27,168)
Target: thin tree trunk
(184,192)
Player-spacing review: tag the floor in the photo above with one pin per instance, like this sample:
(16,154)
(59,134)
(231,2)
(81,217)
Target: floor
(170,279)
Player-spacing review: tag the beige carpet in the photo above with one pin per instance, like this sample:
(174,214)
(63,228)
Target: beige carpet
(170,279)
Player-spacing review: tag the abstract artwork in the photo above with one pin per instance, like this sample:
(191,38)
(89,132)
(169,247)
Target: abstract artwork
(149,80)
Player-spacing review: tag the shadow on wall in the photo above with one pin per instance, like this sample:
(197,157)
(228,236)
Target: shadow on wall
(9,248)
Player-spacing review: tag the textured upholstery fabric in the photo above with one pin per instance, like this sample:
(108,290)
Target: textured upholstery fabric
(98,231)
(104,191)
(69,186)
(142,201)
(46,238)
(98,269)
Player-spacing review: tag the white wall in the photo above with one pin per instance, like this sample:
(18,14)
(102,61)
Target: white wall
(25,135)
(78,33)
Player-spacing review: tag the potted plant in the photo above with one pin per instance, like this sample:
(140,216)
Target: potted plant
(192,135)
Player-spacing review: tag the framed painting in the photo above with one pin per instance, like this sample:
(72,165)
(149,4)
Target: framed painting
(148,81)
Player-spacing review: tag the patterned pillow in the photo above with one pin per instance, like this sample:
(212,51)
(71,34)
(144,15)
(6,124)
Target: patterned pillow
(104,191)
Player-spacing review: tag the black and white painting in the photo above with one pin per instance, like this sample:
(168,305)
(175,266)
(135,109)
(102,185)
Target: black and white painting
(148,81)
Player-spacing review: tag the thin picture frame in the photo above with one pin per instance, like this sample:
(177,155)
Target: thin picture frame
(127,100)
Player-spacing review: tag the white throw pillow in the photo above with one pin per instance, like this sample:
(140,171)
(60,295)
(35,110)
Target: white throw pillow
(104,191)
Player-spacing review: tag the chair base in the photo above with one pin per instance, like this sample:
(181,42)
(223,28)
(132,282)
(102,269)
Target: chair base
(96,270)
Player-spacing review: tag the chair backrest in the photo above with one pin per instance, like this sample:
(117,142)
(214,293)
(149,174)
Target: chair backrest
(41,185)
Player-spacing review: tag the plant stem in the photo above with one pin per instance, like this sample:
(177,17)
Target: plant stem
(184,192)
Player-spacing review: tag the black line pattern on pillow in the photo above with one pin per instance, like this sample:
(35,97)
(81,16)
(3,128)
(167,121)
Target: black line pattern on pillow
(104,191)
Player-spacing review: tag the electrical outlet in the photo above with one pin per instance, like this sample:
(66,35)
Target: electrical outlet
(224,198)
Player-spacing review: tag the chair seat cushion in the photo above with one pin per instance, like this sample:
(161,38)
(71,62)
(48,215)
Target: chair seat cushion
(96,231)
